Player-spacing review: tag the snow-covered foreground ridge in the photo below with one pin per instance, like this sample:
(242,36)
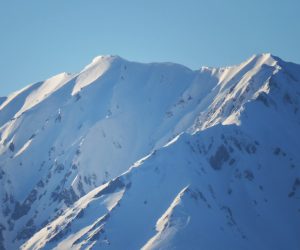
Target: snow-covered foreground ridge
(125,155)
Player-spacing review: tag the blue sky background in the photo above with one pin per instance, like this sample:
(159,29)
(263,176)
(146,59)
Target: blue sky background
(41,38)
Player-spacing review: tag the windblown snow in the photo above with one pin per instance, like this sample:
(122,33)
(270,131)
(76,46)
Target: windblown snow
(125,155)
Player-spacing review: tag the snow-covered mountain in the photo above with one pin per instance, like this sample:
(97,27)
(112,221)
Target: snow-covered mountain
(125,155)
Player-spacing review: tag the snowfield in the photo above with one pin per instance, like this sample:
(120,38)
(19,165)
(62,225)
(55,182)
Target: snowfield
(125,155)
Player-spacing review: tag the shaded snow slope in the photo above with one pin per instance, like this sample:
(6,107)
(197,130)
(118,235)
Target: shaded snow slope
(224,143)
(216,184)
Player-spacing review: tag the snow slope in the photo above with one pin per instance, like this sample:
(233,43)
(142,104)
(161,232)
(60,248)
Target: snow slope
(222,158)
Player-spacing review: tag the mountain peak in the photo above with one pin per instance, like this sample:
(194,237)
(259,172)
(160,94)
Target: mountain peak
(105,58)
(102,61)
(265,58)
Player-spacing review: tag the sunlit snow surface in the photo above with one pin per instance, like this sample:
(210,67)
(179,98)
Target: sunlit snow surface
(125,155)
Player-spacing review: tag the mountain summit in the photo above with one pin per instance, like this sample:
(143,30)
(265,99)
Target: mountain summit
(153,156)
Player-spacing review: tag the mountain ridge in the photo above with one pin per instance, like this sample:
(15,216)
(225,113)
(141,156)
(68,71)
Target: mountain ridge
(65,137)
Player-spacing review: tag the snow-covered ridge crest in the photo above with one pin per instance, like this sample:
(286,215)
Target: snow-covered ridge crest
(98,66)
(44,90)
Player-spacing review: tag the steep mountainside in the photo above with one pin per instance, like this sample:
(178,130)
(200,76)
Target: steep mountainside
(153,156)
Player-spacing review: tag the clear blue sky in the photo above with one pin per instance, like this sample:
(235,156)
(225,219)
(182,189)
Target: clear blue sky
(40,38)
